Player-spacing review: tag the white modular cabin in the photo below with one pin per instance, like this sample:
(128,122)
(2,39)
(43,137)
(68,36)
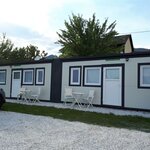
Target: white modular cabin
(121,81)
(31,75)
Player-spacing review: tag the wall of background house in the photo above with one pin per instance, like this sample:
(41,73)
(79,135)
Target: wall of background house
(128,48)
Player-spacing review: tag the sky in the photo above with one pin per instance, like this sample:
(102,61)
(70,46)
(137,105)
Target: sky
(37,22)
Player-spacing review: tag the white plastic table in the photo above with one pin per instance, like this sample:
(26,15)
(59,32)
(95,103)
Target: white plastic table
(77,97)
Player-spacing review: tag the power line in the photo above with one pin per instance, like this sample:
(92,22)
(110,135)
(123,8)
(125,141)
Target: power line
(136,32)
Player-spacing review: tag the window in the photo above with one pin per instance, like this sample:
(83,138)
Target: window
(17,75)
(144,76)
(75,76)
(28,76)
(92,76)
(2,76)
(112,74)
(40,76)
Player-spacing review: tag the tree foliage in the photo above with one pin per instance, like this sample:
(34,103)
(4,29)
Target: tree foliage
(87,37)
(6,47)
(9,54)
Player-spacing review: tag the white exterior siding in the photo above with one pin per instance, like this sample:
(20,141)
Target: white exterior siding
(134,97)
(45,89)
(6,87)
(84,89)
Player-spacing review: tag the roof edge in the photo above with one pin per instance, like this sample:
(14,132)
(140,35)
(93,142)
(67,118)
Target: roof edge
(124,55)
(117,56)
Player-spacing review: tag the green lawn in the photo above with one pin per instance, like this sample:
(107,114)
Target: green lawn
(109,120)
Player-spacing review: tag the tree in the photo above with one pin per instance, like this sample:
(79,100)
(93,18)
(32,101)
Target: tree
(87,37)
(6,47)
(27,53)
(8,54)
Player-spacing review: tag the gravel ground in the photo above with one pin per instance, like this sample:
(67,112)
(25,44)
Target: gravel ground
(29,132)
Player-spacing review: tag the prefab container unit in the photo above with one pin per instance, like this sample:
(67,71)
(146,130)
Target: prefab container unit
(31,75)
(121,81)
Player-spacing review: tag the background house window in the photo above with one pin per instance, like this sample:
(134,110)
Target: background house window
(28,76)
(144,75)
(2,76)
(40,76)
(75,76)
(92,76)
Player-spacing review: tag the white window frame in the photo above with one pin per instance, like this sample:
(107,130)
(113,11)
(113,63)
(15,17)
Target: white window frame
(78,83)
(85,75)
(37,76)
(141,76)
(28,83)
(4,82)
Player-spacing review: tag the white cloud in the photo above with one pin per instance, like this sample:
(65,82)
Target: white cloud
(55,51)
(28,13)
(46,17)
(36,15)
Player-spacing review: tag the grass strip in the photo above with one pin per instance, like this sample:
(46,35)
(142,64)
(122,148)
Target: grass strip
(108,120)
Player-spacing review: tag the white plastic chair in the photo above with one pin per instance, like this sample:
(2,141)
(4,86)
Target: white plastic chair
(21,94)
(89,99)
(68,96)
(35,96)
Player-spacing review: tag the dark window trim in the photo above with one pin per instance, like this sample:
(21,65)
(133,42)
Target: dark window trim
(91,66)
(36,69)
(80,67)
(4,70)
(123,83)
(24,69)
(139,74)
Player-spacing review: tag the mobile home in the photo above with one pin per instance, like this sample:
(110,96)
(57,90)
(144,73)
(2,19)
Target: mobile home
(119,81)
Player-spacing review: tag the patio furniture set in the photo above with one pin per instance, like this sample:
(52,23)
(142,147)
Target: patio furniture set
(71,97)
(28,95)
(79,98)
